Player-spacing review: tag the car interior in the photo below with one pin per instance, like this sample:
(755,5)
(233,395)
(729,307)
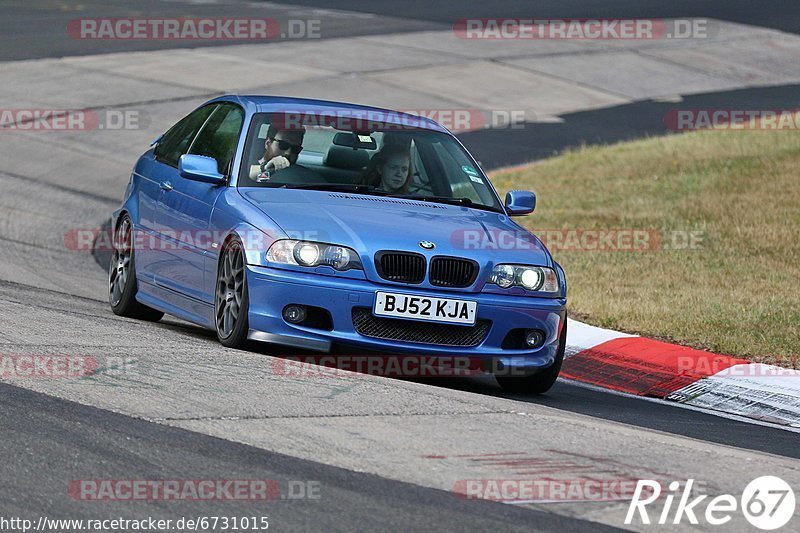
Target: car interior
(332,158)
(439,166)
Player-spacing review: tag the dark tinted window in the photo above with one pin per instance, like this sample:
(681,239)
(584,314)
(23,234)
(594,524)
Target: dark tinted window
(177,140)
(220,135)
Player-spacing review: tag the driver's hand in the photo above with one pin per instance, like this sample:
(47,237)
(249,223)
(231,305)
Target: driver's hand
(277,163)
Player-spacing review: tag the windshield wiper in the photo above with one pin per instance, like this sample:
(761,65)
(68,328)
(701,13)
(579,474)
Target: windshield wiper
(369,189)
(439,199)
(463,201)
(343,187)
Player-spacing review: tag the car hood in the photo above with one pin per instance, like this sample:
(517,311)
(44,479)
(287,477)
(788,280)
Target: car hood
(372,223)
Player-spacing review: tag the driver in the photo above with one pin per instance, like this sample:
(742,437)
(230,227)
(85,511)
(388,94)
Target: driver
(281,149)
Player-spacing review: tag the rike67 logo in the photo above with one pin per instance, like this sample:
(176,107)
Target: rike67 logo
(767,502)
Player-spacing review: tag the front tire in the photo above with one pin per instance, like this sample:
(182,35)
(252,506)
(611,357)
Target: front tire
(231,302)
(122,286)
(540,382)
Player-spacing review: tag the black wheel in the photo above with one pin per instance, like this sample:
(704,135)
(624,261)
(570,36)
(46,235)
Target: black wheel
(540,382)
(122,276)
(231,302)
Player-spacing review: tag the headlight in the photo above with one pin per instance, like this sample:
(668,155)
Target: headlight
(503,275)
(313,254)
(531,278)
(338,257)
(307,253)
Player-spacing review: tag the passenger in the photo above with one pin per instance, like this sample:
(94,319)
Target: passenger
(389,170)
(281,149)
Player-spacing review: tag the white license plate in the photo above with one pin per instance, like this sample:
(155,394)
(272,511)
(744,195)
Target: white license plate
(425,308)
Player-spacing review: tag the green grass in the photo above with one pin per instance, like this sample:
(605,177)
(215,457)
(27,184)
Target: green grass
(738,292)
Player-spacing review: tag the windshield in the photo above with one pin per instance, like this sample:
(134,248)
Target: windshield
(392,160)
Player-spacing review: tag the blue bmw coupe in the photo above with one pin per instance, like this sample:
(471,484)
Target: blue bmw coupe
(328,226)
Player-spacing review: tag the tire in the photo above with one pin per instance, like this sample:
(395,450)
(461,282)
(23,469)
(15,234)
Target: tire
(540,382)
(122,285)
(231,303)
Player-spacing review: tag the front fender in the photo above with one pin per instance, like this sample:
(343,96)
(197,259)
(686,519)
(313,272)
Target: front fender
(233,215)
(562,279)
(129,204)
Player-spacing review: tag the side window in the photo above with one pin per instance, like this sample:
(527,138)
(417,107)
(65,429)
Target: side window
(177,140)
(220,135)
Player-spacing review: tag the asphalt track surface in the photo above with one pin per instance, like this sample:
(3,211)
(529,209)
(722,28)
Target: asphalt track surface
(509,147)
(770,13)
(54,440)
(67,437)
(30,30)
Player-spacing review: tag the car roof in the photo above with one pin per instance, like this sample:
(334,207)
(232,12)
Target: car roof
(272,104)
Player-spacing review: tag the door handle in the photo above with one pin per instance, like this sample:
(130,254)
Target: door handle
(167,186)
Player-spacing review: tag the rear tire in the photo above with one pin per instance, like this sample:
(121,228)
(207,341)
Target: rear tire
(540,382)
(231,303)
(122,285)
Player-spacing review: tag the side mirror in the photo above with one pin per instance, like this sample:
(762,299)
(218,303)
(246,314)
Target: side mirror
(200,168)
(520,202)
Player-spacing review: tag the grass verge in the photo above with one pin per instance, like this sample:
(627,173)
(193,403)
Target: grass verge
(721,212)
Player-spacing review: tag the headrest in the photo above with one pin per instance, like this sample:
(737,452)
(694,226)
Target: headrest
(346,158)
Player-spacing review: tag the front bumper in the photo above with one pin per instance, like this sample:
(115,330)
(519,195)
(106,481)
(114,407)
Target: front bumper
(270,290)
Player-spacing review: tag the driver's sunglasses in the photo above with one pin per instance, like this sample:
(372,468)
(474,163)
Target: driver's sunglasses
(286,145)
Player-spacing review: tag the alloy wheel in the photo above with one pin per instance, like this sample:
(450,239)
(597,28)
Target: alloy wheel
(119,269)
(230,287)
